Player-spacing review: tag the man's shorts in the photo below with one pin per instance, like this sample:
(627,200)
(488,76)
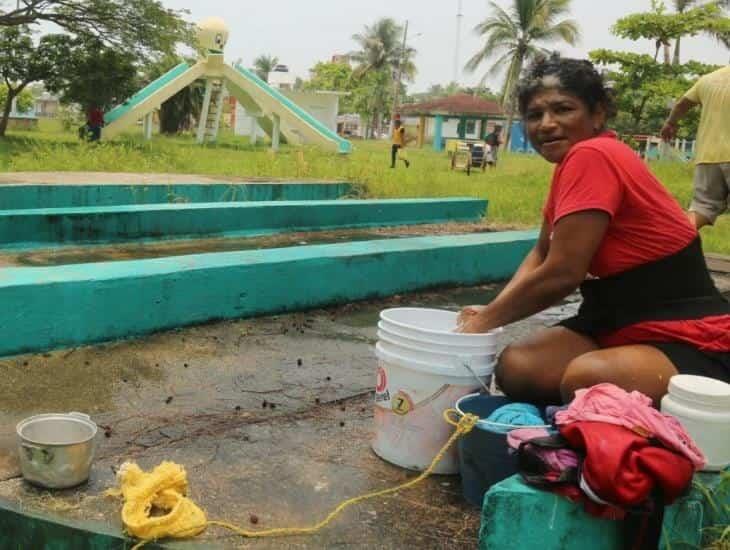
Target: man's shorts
(711,188)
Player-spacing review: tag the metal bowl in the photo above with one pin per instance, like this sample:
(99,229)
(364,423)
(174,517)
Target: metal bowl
(56,450)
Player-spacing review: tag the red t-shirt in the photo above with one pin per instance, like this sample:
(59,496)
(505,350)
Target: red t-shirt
(646,224)
(95,117)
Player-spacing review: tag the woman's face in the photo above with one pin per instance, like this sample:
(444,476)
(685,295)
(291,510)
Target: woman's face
(556,120)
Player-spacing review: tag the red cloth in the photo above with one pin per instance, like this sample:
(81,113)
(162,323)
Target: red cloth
(95,117)
(646,224)
(623,468)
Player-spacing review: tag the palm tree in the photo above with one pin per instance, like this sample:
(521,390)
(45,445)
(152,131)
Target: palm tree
(681,6)
(263,65)
(515,36)
(381,53)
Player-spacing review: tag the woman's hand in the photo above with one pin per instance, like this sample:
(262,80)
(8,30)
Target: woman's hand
(473,320)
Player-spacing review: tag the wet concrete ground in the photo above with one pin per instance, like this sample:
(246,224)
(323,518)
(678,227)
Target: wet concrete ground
(259,433)
(272,417)
(60,255)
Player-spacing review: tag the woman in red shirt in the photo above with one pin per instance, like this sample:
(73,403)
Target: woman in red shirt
(650,309)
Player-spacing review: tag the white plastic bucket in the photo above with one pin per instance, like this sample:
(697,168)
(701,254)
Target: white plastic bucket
(474,360)
(435,325)
(424,342)
(415,385)
(702,405)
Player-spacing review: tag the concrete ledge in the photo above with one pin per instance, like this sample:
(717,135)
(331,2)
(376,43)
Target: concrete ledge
(24,529)
(24,196)
(50,307)
(29,228)
(515,515)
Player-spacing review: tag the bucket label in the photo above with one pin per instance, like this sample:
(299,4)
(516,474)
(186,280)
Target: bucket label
(381,380)
(402,403)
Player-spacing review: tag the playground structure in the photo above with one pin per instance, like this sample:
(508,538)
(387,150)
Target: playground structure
(277,115)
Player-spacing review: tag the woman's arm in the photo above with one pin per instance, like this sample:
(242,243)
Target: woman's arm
(575,239)
(534,258)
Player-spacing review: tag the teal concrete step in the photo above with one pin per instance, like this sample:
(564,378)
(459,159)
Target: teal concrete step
(515,515)
(26,196)
(39,227)
(51,307)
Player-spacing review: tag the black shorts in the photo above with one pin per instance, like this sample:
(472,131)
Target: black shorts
(686,358)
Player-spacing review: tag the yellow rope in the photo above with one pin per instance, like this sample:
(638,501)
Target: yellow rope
(465,424)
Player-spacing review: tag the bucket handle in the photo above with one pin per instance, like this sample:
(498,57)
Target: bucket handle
(464,360)
(449,412)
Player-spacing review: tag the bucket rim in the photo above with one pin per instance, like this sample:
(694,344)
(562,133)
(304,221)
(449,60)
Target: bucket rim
(78,418)
(483,422)
(421,366)
(476,344)
(465,355)
(460,335)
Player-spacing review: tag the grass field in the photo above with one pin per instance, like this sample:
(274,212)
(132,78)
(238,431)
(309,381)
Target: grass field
(515,190)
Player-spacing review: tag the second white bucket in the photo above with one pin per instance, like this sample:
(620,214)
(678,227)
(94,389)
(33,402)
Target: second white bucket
(414,388)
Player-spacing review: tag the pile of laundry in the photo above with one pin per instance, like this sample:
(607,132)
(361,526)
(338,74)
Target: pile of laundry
(613,453)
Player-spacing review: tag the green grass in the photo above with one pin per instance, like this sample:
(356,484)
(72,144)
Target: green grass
(516,190)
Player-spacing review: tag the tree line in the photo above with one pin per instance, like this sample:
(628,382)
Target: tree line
(107,49)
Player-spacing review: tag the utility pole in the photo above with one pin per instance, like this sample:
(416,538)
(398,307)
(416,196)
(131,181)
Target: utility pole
(399,75)
(459,17)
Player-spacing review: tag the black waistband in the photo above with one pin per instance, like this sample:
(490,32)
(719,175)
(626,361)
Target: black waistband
(676,287)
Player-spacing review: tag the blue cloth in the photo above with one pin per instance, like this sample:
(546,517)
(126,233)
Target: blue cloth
(515,415)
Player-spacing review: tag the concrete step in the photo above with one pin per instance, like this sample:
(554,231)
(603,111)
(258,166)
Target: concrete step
(37,227)
(25,196)
(51,307)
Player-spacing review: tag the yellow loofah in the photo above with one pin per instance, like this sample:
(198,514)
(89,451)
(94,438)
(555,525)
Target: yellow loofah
(164,489)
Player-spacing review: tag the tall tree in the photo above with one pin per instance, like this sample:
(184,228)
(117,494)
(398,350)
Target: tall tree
(23,62)
(518,35)
(381,53)
(263,65)
(141,26)
(662,28)
(93,74)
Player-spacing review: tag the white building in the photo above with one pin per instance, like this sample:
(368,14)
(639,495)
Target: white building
(322,105)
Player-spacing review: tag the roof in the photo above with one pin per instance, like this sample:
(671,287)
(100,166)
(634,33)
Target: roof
(459,104)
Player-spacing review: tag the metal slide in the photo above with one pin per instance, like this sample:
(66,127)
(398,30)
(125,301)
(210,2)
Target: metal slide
(297,125)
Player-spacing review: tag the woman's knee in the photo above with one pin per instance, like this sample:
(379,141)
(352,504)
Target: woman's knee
(521,376)
(584,371)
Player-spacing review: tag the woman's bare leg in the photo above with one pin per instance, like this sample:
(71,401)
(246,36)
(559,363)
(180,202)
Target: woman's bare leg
(642,368)
(532,369)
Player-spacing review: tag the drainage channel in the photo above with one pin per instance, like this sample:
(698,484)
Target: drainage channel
(181,247)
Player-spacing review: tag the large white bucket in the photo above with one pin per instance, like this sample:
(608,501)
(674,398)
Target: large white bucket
(416,384)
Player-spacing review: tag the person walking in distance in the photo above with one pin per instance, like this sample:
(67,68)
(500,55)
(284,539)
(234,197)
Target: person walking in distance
(398,144)
(493,140)
(712,170)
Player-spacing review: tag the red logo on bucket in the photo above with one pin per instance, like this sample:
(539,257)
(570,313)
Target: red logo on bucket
(381,380)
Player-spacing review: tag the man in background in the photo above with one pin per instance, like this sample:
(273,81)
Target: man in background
(494,141)
(712,170)
(398,143)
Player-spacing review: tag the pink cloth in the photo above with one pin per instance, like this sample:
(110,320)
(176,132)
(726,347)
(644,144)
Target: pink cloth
(610,404)
(515,437)
(557,459)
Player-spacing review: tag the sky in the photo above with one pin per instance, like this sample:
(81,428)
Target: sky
(302,32)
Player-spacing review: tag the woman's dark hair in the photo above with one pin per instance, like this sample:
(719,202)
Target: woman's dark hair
(575,76)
